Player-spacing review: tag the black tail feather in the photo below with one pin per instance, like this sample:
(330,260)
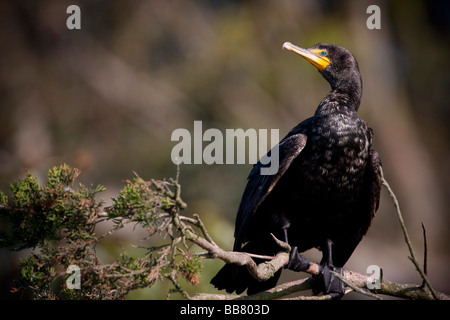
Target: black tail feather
(233,277)
(237,278)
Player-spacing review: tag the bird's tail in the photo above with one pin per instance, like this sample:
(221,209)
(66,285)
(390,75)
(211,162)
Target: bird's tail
(237,278)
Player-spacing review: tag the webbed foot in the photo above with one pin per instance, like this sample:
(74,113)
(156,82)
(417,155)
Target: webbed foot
(297,262)
(329,283)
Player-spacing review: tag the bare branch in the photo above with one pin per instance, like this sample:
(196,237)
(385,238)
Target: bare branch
(356,288)
(156,205)
(425,252)
(406,236)
(263,271)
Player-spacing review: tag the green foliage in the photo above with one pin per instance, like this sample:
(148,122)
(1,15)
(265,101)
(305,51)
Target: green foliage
(137,202)
(39,214)
(190,267)
(59,222)
(3,199)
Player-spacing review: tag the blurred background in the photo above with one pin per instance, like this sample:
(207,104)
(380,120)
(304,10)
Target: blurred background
(106,98)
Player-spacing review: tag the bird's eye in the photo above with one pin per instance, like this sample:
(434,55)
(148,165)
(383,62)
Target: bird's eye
(323,53)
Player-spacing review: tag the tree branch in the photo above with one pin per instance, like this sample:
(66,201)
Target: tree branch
(155,206)
(265,270)
(261,272)
(354,280)
(406,236)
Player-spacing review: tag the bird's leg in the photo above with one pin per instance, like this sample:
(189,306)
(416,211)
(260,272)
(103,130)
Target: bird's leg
(297,262)
(285,234)
(330,284)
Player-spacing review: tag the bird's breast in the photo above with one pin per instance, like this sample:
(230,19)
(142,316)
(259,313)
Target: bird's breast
(335,160)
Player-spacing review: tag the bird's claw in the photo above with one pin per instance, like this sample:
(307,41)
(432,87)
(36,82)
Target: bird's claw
(297,262)
(330,284)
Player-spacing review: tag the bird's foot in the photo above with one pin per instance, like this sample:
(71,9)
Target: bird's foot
(329,283)
(297,262)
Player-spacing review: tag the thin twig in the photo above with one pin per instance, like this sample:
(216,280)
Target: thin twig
(356,288)
(425,252)
(178,288)
(203,229)
(406,236)
(260,256)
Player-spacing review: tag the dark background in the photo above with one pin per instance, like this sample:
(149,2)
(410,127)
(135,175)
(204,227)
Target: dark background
(106,99)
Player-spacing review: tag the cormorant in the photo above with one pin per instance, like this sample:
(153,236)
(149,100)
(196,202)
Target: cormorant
(327,188)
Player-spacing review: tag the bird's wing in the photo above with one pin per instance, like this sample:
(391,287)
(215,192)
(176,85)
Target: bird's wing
(259,186)
(367,207)
(373,178)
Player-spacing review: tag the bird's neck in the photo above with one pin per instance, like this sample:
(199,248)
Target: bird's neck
(349,90)
(341,100)
(346,92)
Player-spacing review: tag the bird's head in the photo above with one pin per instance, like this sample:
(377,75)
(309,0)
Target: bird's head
(335,63)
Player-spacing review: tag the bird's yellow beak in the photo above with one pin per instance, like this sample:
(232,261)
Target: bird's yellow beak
(312,55)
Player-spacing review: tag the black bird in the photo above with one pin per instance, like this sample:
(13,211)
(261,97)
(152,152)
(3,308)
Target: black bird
(326,190)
